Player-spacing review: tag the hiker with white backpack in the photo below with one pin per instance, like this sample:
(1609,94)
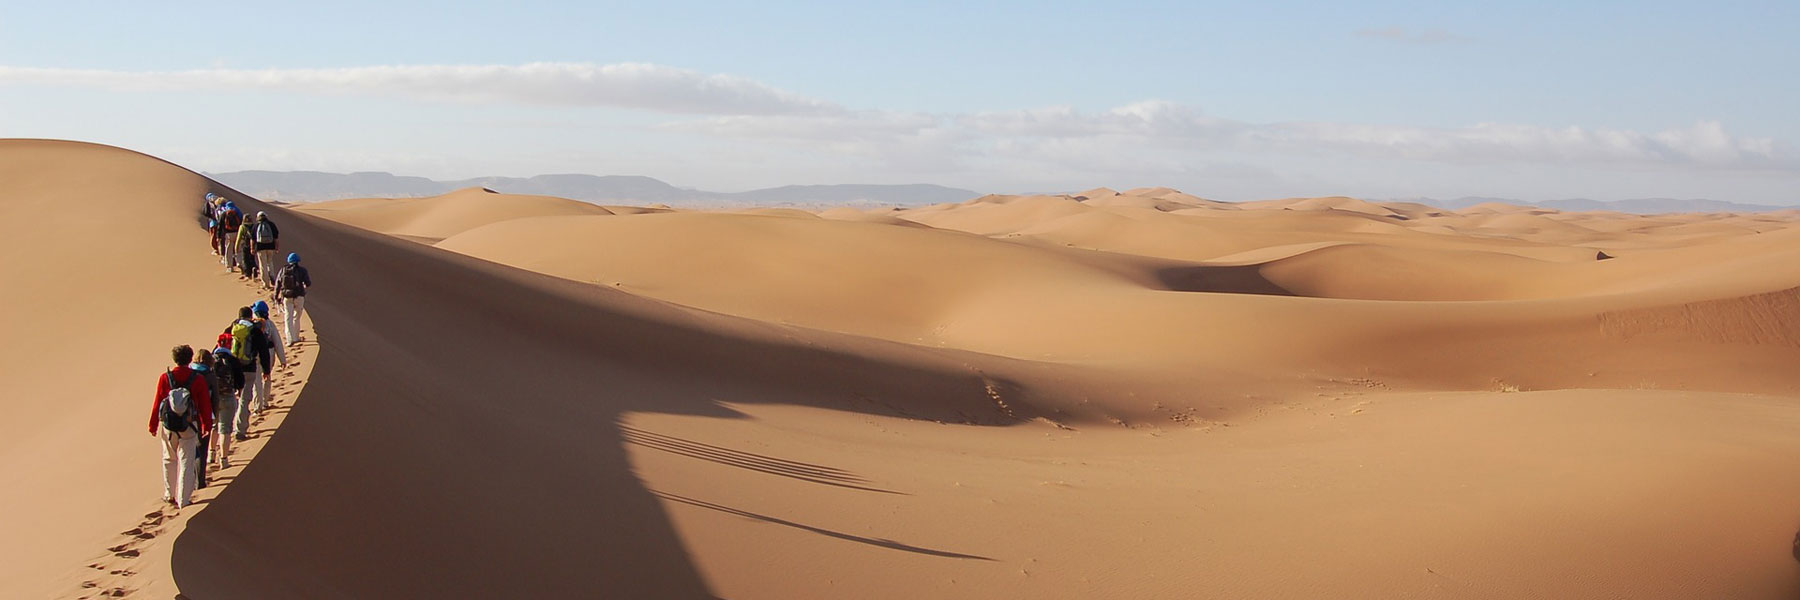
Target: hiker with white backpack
(265,236)
(182,410)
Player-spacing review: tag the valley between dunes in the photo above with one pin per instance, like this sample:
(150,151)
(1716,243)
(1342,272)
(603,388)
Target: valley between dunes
(1106,394)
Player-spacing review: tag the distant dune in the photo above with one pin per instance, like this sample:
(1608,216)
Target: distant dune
(1103,394)
(314,186)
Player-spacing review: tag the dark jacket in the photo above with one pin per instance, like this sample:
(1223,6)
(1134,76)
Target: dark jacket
(296,287)
(275,231)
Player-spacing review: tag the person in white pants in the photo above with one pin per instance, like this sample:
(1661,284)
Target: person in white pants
(291,285)
(290,310)
(181,449)
(263,237)
(266,366)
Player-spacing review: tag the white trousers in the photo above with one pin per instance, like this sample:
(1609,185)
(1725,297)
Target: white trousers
(231,251)
(290,316)
(266,267)
(181,467)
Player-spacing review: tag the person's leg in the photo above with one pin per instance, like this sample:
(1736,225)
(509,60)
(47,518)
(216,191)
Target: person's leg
(200,457)
(291,309)
(171,468)
(190,467)
(243,409)
(225,428)
(265,264)
(262,393)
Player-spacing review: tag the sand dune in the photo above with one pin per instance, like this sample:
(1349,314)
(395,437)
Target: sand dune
(1011,397)
(106,264)
(439,217)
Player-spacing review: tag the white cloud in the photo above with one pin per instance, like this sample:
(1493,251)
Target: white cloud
(1159,133)
(625,85)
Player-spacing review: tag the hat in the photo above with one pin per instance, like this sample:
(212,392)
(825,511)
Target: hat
(261,308)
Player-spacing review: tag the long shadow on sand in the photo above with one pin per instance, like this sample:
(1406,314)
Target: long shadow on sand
(819,474)
(463,422)
(884,543)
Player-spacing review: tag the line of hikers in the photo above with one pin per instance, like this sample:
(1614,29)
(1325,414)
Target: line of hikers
(246,246)
(205,401)
(249,248)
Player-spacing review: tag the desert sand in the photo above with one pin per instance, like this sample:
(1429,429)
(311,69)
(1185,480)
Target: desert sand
(1105,394)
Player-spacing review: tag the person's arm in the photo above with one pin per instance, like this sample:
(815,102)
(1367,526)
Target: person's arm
(305,278)
(203,393)
(276,341)
(162,389)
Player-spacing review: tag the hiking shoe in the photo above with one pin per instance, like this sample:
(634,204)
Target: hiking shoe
(241,437)
(224,463)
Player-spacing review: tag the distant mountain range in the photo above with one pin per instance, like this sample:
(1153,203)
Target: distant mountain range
(1642,206)
(312,186)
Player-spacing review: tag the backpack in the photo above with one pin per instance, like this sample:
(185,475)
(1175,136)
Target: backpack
(230,219)
(240,341)
(265,232)
(289,281)
(177,409)
(226,366)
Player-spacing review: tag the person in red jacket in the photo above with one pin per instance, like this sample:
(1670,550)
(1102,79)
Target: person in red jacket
(180,429)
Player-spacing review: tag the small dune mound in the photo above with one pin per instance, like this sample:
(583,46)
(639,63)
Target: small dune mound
(999,215)
(1095,194)
(875,280)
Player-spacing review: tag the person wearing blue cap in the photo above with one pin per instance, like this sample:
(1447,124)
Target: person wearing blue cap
(290,287)
(265,353)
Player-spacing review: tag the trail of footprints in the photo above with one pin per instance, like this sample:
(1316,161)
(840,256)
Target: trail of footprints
(111,575)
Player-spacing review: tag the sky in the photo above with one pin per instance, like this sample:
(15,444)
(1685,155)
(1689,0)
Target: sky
(1233,101)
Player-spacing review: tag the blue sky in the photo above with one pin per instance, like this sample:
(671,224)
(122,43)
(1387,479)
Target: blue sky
(1227,100)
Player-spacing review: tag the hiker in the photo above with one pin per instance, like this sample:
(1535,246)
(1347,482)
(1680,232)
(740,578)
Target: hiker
(266,346)
(207,214)
(246,255)
(182,409)
(203,365)
(225,398)
(244,338)
(230,221)
(264,235)
(290,286)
